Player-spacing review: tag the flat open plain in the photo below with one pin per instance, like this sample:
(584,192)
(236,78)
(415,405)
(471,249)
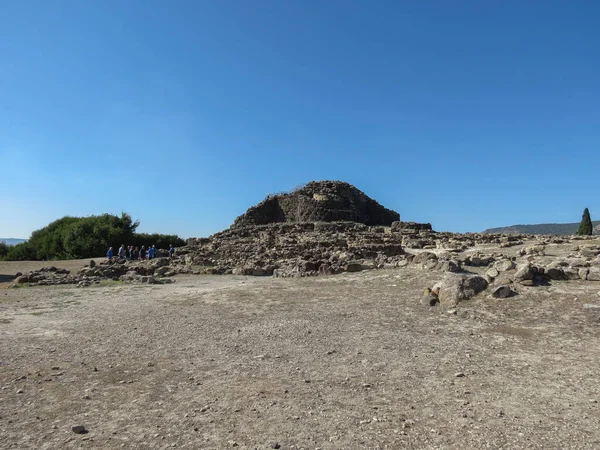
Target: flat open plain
(347,361)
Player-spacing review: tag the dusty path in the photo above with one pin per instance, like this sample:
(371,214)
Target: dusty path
(349,361)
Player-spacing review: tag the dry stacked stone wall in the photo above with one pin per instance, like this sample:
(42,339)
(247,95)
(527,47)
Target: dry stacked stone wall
(319,201)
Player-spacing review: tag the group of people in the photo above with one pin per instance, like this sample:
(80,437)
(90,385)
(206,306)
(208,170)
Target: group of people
(134,253)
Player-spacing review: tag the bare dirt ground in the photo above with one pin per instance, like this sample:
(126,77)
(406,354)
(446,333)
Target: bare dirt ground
(348,361)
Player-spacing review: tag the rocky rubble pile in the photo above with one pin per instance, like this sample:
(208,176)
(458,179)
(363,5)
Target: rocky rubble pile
(46,276)
(506,276)
(155,271)
(294,249)
(324,248)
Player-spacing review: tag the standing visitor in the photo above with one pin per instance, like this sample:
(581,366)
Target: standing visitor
(122,251)
(109,254)
(171,250)
(143,252)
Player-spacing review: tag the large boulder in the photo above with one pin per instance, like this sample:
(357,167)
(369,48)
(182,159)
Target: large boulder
(449,266)
(455,288)
(524,272)
(423,257)
(571,273)
(504,265)
(554,273)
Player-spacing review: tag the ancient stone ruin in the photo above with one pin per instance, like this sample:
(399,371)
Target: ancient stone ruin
(319,201)
(330,227)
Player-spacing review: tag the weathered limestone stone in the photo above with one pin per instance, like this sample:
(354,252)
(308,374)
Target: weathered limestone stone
(455,288)
(503,292)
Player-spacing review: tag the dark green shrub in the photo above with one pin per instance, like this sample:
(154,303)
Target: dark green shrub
(3,249)
(20,252)
(85,237)
(585,227)
(158,240)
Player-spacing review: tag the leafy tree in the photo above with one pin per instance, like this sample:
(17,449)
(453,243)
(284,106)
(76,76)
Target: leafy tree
(585,227)
(158,240)
(3,249)
(85,237)
(20,252)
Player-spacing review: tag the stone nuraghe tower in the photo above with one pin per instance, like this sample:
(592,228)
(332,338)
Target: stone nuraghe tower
(319,201)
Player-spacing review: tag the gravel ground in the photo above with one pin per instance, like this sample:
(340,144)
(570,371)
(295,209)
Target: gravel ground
(348,361)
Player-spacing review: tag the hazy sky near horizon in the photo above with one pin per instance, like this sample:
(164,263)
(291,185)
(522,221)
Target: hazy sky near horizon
(465,114)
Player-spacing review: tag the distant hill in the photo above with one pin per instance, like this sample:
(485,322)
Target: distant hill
(12,241)
(543,228)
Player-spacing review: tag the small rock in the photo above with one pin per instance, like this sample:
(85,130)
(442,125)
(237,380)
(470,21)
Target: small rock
(274,445)
(20,391)
(430,300)
(504,265)
(492,272)
(459,374)
(503,292)
(79,429)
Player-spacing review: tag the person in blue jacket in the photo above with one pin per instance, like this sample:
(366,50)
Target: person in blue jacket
(151,252)
(109,254)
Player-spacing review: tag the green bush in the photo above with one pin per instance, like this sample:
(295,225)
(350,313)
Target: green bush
(4,248)
(85,237)
(20,252)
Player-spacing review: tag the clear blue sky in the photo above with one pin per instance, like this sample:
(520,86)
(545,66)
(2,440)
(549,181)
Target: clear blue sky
(465,114)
